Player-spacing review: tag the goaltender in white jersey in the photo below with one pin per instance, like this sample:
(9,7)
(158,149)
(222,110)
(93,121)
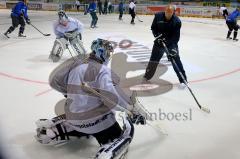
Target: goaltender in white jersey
(92,96)
(68,32)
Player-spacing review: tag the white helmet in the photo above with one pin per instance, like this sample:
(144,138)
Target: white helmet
(63,18)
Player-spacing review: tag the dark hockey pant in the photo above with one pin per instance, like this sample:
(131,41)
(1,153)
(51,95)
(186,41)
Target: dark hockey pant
(157,53)
(120,15)
(133,17)
(78,6)
(15,22)
(105,10)
(100,10)
(232,26)
(94,19)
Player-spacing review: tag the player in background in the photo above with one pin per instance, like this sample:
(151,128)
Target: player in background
(19,15)
(68,32)
(92,9)
(77,3)
(105,7)
(120,9)
(109,6)
(223,10)
(231,22)
(99,5)
(132,9)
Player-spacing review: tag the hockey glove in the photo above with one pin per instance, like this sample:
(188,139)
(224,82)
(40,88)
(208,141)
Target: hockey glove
(172,53)
(160,39)
(28,21)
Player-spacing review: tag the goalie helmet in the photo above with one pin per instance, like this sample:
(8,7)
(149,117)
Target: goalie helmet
(102,49)
(63,18)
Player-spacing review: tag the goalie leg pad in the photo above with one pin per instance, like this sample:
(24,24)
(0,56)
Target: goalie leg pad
(56,131)
(52,132)
(77,45)
(119,147)
(58,49)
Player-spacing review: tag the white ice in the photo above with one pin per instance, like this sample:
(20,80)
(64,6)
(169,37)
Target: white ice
(211,63)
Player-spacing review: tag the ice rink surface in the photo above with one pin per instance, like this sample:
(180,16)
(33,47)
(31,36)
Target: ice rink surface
(211,63)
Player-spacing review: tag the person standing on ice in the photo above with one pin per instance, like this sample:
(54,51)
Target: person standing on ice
(231,22)
(77,3)
(92,9)
(19,15)
(132,9)
(105,6)
(68,31)
(120,9)
(99,5)
(223,10)
(89,86)
(165,25)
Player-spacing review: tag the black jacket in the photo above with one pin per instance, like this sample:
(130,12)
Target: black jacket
(170,30)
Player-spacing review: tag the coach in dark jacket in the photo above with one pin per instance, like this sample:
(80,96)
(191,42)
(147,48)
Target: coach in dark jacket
(166,25)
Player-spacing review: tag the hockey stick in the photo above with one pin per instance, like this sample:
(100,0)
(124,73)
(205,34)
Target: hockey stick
(86,87)
(76,58)
(184,80)
(39,30)
(139,19)
(71,52)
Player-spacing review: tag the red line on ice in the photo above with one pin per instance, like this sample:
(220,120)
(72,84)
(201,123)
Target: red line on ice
(46,91)
(43,92)
(21,79)
(217,76)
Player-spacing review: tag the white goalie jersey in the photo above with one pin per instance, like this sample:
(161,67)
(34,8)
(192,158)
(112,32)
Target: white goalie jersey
(73,24)
(84,103)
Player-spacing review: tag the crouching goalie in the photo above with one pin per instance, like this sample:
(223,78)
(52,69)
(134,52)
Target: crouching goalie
(68,32)
(93,96)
